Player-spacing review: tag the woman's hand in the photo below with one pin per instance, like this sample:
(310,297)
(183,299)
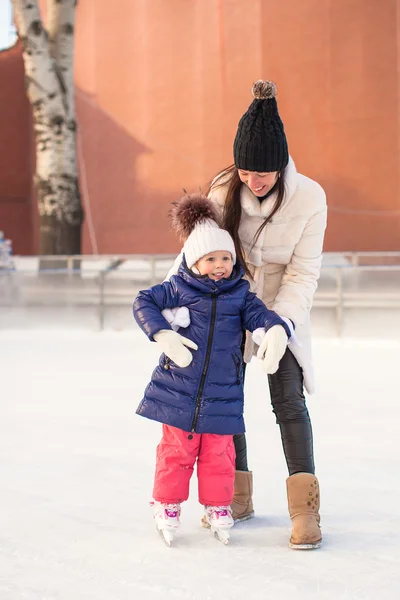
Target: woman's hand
(272,348)
(177,317)
(175,346)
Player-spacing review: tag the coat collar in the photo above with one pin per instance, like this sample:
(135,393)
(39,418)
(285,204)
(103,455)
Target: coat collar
(252,205)
(206,285)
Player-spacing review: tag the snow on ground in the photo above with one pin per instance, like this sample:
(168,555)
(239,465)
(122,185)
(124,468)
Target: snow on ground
(77,464)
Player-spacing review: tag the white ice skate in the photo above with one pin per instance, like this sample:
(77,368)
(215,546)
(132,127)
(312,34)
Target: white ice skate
(219,519)
(167,521)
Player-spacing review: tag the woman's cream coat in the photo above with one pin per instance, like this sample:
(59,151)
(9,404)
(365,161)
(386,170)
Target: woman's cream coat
(285,261)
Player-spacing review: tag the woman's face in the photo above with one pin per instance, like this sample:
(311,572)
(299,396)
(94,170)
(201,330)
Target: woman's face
(259,183)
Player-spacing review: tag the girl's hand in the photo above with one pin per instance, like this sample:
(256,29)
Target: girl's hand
(272,348)
(175,346)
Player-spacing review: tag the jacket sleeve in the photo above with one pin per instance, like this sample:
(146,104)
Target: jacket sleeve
(255,314)
(299,281)
(148,305)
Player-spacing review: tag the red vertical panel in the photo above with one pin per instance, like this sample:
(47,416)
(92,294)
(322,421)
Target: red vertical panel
(15,163)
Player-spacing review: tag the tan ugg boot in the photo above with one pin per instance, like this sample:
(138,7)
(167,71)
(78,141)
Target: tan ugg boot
(242,504)
(303,501)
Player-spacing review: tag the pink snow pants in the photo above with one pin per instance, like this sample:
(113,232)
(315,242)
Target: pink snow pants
(176,455)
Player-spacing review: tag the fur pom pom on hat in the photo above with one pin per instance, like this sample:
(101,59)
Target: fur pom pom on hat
(195,221)
(189,211)
(262,90)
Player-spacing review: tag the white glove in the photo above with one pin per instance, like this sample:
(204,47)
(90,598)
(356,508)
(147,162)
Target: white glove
(177,317)
(174,346)
(272,348)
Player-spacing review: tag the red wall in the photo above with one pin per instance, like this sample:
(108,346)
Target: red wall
(160,87)
(15,163)
(161,91)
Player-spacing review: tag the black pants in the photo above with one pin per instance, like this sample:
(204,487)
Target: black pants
(289,406)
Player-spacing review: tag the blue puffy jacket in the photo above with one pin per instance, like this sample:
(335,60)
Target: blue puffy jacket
(206,396)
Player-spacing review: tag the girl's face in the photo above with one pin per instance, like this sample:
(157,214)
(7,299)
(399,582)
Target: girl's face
(259,183)
(216,265)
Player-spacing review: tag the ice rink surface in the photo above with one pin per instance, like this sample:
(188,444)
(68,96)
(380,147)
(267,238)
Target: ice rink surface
(77,464)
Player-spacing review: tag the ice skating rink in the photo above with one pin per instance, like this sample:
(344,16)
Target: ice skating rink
(77,464)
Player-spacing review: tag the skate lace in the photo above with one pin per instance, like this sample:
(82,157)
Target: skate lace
(221,511)
(172,510)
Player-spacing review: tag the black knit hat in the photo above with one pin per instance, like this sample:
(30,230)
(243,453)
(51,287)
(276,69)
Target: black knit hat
(260,143)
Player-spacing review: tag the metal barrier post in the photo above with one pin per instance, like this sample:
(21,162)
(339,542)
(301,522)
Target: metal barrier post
(339,306)
(101,300)
(152,271)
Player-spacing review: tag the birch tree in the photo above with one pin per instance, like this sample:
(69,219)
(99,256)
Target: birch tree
(48,53)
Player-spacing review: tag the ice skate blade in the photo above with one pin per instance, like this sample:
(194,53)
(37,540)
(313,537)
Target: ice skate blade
(167,536)
(244,518)
(222,535)
(312,546)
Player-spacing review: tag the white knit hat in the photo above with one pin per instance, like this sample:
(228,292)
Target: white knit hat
(194,219)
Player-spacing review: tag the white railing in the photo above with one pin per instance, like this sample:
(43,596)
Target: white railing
(348,280)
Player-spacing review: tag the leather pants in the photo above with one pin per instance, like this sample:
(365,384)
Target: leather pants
(289,407)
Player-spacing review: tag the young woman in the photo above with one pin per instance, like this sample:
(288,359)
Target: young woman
(277,219)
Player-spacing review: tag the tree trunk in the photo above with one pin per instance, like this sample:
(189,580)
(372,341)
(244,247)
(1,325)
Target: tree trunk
(48,60)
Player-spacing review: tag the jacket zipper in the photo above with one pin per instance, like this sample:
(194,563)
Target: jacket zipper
(206,362)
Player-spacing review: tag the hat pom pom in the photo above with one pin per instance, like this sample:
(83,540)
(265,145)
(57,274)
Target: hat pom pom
(262,90)
(189,211)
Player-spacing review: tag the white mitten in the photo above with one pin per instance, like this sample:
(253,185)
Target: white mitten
(177,317)
(174,346)
(272,348)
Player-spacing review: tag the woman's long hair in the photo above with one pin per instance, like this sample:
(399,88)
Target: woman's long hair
(233,209)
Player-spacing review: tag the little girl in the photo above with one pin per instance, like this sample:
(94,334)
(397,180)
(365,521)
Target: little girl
(196,391)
